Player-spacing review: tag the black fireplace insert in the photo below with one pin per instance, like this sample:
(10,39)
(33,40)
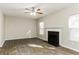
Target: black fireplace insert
(53,38)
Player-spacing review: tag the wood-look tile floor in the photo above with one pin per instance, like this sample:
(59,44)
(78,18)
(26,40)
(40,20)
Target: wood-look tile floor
(33,47)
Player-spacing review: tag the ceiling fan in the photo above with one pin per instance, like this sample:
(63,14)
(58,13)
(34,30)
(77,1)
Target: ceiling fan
(33,11)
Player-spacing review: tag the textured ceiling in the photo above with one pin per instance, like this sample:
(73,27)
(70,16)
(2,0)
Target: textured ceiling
(17,9)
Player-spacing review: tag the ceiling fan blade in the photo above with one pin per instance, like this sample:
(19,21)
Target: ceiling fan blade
(38,9)
(39,12)
(28,9)
(26,12)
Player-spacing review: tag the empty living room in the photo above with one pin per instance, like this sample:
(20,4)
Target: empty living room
(39,28)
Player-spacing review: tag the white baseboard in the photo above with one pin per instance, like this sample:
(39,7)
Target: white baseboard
(19,38)
(1,45)
(39,37)
(70,48)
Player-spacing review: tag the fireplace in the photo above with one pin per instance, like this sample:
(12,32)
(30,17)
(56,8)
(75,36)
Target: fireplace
(53,38)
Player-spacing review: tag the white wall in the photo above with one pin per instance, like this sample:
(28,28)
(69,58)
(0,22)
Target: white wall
(17,28)
(60,20)
(2,39)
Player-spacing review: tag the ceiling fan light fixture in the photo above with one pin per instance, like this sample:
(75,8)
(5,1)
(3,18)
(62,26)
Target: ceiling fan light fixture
(33,13)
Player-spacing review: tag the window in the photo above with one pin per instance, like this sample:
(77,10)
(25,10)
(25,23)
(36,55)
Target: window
(74,27)
(74,21)
(41,28)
